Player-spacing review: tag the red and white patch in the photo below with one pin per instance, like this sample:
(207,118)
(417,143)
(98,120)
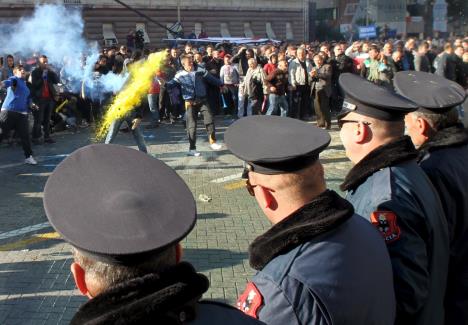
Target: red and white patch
(386,224)
(250,301)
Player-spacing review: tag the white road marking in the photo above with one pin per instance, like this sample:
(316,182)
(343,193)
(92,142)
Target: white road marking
(227,178)
(25,230)
(39,160)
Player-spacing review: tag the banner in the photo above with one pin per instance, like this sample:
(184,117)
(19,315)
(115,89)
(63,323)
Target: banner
(367,31)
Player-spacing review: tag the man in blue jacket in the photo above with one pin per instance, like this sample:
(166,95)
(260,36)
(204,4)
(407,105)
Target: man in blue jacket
(387,187)
(193,88)
(15,109)
(319,263)
(443,153)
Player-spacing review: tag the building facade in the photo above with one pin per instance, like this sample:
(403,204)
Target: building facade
(107,21)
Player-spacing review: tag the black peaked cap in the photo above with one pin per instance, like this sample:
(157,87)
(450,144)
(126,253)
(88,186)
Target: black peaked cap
(117,204)
(429,91)
(366,98)
(275,145)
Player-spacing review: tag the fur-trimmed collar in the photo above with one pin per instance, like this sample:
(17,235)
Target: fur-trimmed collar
(449,137)
(324,213)
(166,298)
(387,155)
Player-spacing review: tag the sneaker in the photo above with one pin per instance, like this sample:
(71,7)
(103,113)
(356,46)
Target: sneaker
(30,161)
(83,124)
(193,153)
(49,140)
(215,146)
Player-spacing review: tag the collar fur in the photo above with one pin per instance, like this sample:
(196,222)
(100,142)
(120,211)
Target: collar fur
(166,298)
(324,213)
(387,155)
(449,137)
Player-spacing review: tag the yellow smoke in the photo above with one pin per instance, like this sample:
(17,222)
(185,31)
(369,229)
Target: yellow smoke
(137,86)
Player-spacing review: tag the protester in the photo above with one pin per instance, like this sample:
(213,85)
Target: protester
(192,84)
(15,110)
(43,92)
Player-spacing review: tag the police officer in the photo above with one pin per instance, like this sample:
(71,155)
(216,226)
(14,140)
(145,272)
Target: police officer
(443,153)
(319,263)
(387,187)
(125,227)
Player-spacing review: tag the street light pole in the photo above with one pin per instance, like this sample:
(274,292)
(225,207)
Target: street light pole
(178,11)
(367,12)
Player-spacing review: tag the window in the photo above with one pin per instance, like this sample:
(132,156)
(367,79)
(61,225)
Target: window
(108,34)
(198,28)
(225,30)
(289,32)
(270,32)
(351,9)
(248,31)
(142,27)
(326,14)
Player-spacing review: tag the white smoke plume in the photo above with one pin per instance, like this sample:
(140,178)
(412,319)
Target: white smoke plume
(57,32)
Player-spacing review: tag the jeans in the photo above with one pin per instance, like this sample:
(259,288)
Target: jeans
(191,114)
(10,120)
(153,103)
(42,118)
(276,102)
(137,134)
(232,91)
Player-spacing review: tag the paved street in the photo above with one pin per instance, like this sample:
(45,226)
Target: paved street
(35,282)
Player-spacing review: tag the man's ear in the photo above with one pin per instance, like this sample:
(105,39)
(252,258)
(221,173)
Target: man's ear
(79,276)
(423,127)
(360,132)
(266,199)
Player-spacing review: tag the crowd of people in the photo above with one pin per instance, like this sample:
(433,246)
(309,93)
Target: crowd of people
(297,81)
(392,252)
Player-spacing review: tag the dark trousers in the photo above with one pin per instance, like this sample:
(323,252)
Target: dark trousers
(166,109)
(214,97)
(42,118)
(300,102)
(192,109)
(231,99)
(322,109)
(19,122)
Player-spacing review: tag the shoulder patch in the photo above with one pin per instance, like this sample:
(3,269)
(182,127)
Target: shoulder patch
(386,224)
(250,301)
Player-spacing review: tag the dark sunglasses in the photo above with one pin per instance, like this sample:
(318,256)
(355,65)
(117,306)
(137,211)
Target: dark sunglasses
(342,122)
(250,188)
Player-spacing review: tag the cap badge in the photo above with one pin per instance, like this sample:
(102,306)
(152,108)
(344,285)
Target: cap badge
(349,106)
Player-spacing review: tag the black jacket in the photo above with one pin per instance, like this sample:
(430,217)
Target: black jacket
(37,82)
(444,158)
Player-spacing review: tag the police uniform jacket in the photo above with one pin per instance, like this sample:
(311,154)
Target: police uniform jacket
(338,276)
(170,297)
(389,189)
(444,159)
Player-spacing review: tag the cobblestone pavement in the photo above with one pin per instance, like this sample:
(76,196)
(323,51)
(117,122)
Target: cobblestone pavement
(35,282)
